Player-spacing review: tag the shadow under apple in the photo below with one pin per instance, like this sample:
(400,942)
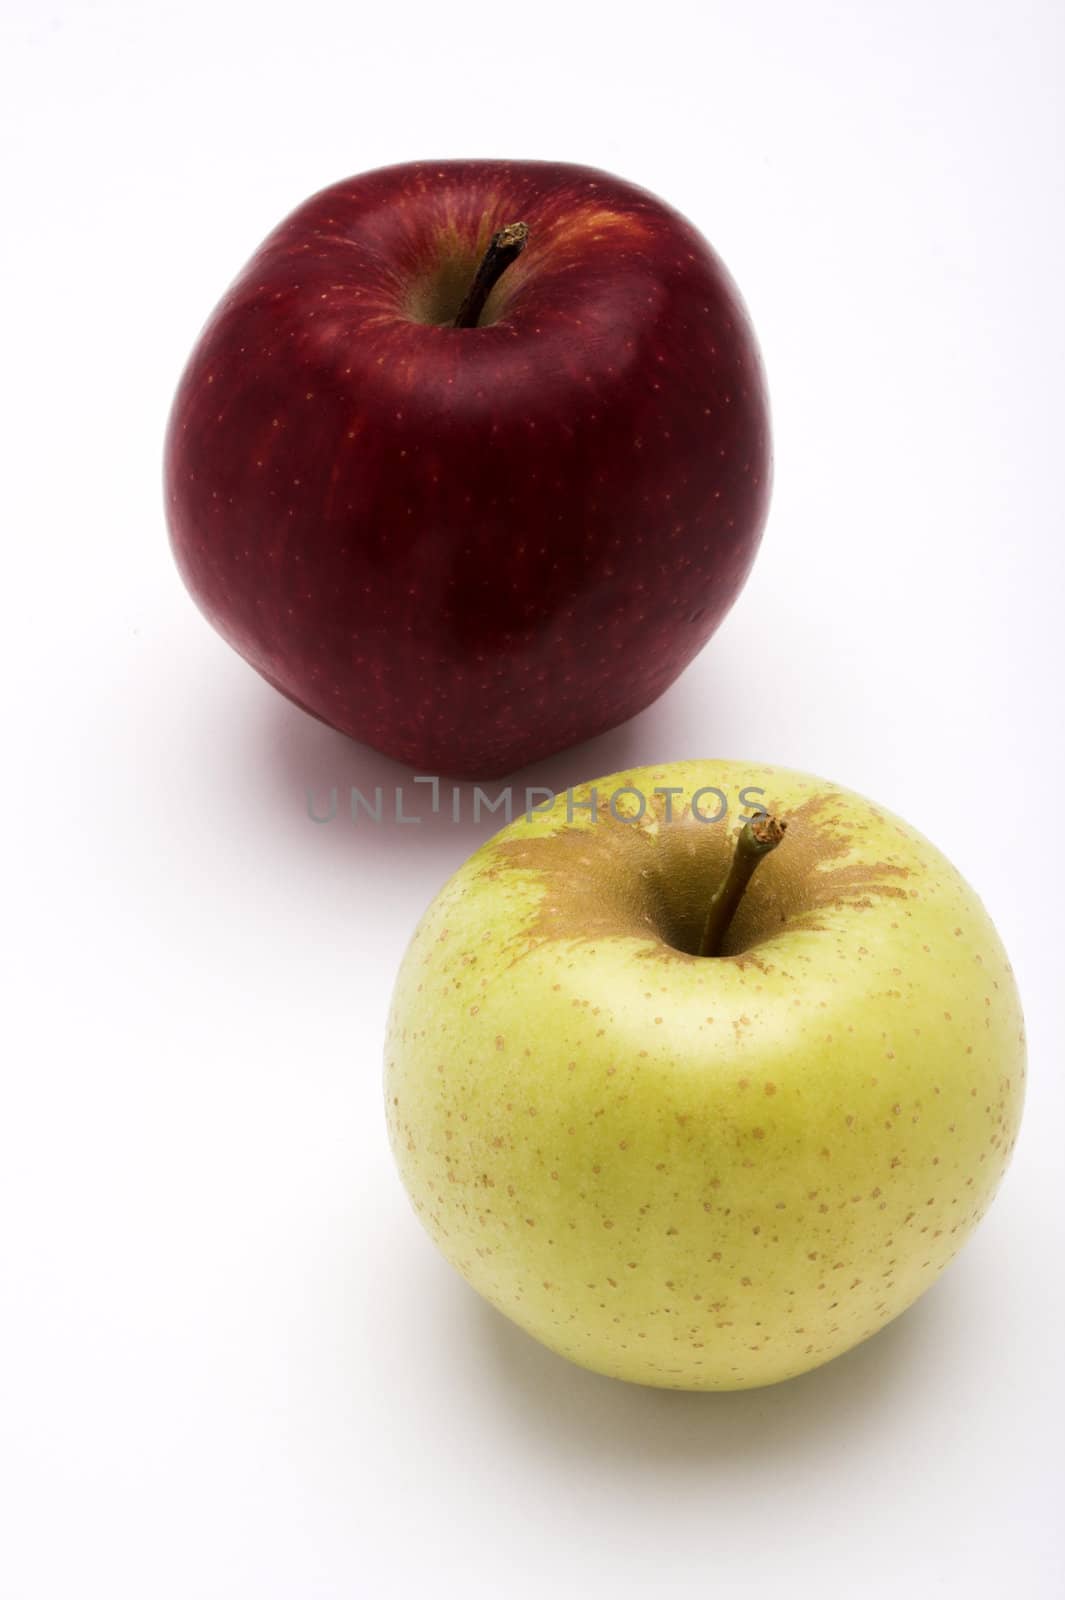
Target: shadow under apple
(293,770)
(331,783)
(582,1414)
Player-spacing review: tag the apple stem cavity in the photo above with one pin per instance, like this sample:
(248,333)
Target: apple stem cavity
(756,839)
(505,246)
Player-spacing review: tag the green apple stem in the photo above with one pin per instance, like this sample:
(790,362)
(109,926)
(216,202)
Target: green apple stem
(756,839)
(506,246)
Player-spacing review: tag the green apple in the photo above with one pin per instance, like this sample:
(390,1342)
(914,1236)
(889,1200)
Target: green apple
(704,1171)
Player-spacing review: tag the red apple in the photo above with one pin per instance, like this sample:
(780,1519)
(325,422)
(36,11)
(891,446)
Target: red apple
(471,546)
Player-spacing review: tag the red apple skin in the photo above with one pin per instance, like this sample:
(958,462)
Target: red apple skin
(471,548)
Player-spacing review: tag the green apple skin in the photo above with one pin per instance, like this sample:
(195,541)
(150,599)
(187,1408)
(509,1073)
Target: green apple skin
(704,1172)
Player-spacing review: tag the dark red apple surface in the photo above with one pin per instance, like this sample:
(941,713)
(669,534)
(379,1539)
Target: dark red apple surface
(472,546)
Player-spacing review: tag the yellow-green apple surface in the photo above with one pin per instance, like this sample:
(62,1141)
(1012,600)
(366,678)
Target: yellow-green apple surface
(704,1171)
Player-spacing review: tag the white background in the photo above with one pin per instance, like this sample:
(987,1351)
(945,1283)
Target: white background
(231,1363)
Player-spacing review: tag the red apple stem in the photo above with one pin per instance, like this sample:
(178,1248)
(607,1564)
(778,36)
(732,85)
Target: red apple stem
(756,839)
(505,246)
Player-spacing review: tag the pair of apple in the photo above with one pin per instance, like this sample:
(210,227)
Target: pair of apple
(470,462)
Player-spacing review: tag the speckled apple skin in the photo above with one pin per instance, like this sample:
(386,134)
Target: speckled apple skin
(704,1173)
(472,548)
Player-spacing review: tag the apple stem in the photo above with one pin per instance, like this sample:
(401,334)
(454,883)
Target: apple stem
(756,839)
(505,246)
